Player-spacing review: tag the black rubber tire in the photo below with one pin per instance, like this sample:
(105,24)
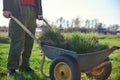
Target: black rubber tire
(71,64)
(105,74)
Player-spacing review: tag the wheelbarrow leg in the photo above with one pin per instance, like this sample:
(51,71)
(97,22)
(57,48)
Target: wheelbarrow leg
(42,67)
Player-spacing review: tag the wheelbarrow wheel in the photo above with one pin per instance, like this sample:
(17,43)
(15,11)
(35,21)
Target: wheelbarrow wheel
(64,67)
(102,73)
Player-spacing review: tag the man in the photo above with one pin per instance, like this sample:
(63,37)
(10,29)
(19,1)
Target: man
(21,43)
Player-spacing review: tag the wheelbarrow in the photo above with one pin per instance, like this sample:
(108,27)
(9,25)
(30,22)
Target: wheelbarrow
(68,65)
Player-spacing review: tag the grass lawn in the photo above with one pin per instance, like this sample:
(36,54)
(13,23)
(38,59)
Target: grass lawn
(35,61)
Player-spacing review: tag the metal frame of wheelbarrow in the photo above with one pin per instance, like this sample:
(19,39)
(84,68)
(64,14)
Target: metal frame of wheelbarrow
(93,63)
(83,62)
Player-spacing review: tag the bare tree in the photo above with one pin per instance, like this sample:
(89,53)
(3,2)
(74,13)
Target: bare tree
(60,21)
(87,24)
(96,23)
(77,22)
(114,27)
(72,23)
(67,23)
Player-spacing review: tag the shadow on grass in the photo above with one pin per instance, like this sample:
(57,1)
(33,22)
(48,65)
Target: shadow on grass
(22,76)
(5,40)
(26,76)
(3,73)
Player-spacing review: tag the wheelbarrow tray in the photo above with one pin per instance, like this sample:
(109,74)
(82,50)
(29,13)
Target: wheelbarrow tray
(86,61)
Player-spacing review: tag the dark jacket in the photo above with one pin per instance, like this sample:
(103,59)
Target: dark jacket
(15,7)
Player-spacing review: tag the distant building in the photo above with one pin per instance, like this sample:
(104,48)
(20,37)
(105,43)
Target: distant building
(3,29)
(41,28)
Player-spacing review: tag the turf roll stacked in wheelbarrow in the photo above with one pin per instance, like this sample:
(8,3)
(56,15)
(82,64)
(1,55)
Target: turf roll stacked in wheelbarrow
(76,41)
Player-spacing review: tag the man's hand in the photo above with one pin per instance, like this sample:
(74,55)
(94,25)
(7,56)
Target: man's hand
(7,14)
(40,17)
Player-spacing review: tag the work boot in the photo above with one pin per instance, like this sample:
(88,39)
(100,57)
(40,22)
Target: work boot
(11,72)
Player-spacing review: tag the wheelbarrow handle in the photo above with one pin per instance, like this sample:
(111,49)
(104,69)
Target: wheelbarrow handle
(24,28)
(47,23)
(115,47)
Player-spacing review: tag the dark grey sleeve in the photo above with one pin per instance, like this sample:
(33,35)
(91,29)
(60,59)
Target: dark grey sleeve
(13,6)
(39,7)
(6,5)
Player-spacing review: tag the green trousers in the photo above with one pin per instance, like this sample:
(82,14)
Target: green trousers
(21,43)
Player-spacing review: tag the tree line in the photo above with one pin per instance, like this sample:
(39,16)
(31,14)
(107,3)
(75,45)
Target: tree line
(62,23)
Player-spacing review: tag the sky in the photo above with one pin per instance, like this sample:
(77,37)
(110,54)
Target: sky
(107,11)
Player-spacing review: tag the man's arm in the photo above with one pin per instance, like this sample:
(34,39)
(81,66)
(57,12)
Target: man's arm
(6,8)
(11,7)
(6,5)
(39,9)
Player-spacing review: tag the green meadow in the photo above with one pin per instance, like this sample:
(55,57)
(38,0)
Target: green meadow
(36,56)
